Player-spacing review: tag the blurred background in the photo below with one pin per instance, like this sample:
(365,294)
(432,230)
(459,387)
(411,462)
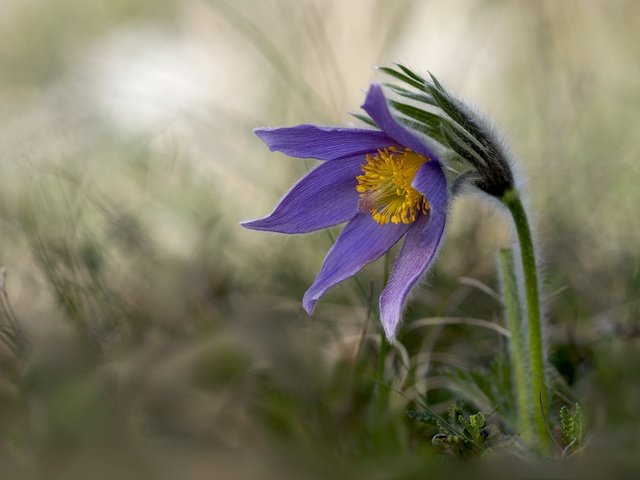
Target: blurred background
(146,335)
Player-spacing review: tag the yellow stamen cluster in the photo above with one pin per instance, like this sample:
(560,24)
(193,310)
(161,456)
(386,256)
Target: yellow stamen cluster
(385,186)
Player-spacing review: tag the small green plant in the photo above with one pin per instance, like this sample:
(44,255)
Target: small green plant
(571,427)
(460,434)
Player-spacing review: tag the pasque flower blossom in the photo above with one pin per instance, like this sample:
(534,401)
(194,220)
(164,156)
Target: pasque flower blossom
(386,184)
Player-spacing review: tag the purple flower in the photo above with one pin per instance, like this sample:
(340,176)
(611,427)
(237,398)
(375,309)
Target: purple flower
(387,184)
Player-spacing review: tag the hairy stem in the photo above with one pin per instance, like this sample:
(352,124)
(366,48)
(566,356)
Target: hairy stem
(380,380)
(539,392)
(513,314)
(382,354)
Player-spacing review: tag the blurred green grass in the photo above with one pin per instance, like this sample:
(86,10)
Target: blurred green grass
(159,339)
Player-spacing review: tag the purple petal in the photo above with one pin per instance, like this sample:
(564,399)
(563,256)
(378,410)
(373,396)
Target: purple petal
(376,106)
(362,241)
(324,143)
(420,246)
(324,197)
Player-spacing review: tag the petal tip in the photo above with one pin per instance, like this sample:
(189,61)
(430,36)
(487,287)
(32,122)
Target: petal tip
(389,324)
(372,95)
(249,224)
(309,304)
(375,104)
(263,134)
(262,224)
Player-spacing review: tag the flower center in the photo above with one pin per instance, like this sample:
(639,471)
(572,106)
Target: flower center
(385,186)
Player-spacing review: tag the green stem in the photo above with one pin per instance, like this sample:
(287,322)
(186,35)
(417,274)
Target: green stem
(513,314)
(382,388)
(382,354)
(534,322)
